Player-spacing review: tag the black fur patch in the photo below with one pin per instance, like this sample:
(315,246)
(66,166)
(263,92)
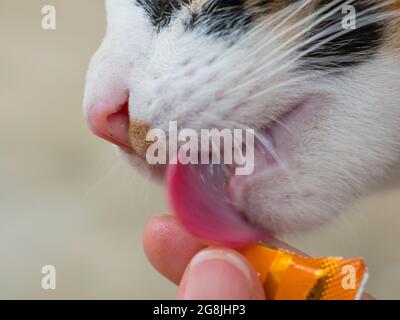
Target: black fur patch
(216,17)
(224,17)
(350,48)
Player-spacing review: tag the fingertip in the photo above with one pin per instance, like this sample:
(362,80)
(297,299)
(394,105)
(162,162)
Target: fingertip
(168,246)
(221,274)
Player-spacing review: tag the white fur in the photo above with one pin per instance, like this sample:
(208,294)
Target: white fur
(337,151)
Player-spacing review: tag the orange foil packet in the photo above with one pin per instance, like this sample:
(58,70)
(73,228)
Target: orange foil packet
(289,276)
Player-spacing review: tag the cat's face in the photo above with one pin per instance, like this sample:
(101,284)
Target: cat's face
(328,95)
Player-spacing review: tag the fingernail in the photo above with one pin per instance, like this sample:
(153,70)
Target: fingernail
(216,274)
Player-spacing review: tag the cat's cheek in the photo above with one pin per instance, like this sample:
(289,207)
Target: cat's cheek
(283,205)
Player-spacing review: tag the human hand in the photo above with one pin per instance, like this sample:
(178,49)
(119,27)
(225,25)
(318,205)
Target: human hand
(202,273)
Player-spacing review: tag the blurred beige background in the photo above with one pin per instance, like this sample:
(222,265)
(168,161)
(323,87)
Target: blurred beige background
(65,198)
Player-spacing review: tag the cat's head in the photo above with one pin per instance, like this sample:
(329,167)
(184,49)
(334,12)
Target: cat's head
(322,78)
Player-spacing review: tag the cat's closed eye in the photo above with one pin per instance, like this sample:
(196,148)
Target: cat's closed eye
(160,11)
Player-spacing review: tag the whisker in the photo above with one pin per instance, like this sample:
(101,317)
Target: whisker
(318,36)
(365,20)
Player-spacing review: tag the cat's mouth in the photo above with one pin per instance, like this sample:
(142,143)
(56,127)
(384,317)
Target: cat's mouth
(212,202)
(209,199)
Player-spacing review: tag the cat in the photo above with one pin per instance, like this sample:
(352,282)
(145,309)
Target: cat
(327,95)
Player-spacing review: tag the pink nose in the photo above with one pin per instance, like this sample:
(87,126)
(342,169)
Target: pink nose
(110,122)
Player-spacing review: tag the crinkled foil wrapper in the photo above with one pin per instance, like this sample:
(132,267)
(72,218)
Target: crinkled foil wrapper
(288,276)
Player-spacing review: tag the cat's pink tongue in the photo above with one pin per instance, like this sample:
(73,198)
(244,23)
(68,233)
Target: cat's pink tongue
(198,197)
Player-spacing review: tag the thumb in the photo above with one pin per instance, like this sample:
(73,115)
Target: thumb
(220,274)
